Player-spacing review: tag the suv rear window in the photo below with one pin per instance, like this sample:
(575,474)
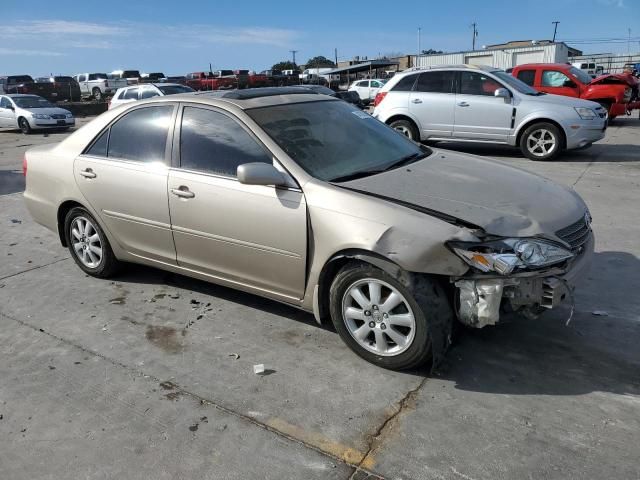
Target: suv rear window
(527,76)
(405,84)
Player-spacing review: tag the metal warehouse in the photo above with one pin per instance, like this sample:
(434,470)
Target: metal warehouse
(504,56)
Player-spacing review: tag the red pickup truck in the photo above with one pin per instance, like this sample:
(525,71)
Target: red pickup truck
(610,91)
(208,81)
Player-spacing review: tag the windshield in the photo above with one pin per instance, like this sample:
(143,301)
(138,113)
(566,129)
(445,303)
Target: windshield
(514,83)
(131,74)
(332,139)
(99,76)
(582,77)
(173,89)
(32,101)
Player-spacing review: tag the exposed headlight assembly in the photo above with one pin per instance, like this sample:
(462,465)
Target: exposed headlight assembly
(69,115)
(506,255)
(40,116)
(586,113)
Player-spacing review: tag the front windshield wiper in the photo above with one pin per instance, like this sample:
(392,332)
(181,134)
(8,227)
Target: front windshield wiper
(414,157)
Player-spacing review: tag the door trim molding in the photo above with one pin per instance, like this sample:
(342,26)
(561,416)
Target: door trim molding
(131,218)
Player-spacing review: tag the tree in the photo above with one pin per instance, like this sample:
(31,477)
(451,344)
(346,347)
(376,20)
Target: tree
(285,65)
(319,62)
(431,51)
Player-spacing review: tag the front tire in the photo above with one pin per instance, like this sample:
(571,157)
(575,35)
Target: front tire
(88,244)
(406,128)
(541,141)
(23,123)
(97,94)
(393,323)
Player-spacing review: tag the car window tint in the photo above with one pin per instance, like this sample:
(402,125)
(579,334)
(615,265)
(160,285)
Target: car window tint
(405,84)
(551,78)
(474,83)
(215,143)
(527,76)
(376,84)
(436,82)
(4,102)
(131,94)
(148,93)
(141,135)
(99,147)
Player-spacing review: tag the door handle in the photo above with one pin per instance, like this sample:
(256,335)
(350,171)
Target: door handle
(416,100)
(463,104)
(88,173)
(183,192)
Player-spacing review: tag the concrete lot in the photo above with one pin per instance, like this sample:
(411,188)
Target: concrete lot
(138,378)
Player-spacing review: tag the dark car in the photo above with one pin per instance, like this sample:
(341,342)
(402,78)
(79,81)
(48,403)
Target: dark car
(349,97)
(26,85)
(64,88)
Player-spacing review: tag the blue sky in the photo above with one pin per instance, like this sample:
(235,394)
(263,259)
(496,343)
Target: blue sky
(64,36)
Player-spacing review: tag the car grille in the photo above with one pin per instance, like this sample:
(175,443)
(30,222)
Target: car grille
(577,233)
(58,116)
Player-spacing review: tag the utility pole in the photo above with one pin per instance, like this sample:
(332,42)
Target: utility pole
(335,54)
(555,30)
(629,43)
(419,41)
(293,52)
(475,34)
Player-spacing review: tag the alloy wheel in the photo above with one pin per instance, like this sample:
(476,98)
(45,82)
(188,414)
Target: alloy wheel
(378,317)
(87,244)
(404,131)
(541,142)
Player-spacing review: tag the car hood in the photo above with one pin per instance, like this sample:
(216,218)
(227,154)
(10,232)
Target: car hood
(500,199)
(47,111)
(572,102)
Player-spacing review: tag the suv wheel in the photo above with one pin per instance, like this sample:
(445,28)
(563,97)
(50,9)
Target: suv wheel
(541,141)
(386,322)
(407,128)
(88,244)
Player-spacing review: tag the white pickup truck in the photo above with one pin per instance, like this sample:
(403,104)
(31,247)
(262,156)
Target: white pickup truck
(97,85)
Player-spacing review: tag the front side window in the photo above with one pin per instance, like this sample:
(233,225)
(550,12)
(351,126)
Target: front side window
(474,83)
(405,84)
(4,102)
(212,142)
(149,93)
(97,76)
(527,76)
(551,78)
(376,84)
(141,135)
(99,147)
(435,82)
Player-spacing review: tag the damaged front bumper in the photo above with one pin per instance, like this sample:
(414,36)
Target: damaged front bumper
(481,299)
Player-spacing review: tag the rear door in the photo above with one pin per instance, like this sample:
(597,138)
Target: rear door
(123,176)
(251,235)
(432,103)
(479,114)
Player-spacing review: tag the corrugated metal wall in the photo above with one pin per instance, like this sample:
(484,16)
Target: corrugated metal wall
(505,58)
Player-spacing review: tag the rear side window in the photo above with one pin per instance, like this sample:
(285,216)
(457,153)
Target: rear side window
(131,94)
(527,76)
(474,83)
(405,84)
(436,82)
(148,93)
(141,135)
(99,147)
(215,143)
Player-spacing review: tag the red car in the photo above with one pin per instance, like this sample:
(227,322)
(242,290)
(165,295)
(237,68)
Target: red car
(209,81)
(611,91)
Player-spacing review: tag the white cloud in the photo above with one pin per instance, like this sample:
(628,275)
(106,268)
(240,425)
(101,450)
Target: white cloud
(612,3)
(64,27)
(31,53)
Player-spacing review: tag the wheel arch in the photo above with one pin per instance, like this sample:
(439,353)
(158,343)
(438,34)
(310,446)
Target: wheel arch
(403,116)
(63,210)
(528,123)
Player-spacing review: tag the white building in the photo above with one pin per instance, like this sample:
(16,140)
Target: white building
(504,56)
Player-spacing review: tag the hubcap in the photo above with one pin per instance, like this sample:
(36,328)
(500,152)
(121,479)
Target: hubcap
(403,130)
(378,317)
(86,242)
(541,142)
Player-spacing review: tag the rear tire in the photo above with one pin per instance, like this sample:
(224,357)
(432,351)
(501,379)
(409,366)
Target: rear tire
(97,94)
(542,141)
(404,336)
(88,244)
(406,128)
(23,123)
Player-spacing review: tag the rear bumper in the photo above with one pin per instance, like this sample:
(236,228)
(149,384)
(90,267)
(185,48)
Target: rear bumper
(480,300)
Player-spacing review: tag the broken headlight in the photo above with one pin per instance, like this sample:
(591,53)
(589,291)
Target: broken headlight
(503,256)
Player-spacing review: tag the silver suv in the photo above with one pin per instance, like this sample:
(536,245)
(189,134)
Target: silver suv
(484,104)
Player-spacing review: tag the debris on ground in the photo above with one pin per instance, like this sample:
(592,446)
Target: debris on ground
(600,313)
(258,369)
(236,357)
(15,220)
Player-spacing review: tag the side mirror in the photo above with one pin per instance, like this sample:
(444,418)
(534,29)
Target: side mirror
(502,93)
(10,107)
(260,174)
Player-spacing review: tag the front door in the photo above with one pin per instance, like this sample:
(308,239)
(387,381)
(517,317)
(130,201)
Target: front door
(245,234)
(123,176)
(557,83)
(7,114)
(432,103)
(479,114)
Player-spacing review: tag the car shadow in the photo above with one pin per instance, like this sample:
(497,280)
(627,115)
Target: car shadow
(11,181)
(520,356)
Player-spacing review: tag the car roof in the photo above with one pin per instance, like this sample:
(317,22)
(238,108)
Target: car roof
(19,95)
(462,66)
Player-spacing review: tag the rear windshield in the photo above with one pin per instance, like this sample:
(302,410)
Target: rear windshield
(582,77)
(173,89)
(333,139)
(31,101)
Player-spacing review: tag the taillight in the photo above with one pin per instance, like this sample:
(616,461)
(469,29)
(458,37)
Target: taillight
(24,165)
(379,97)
